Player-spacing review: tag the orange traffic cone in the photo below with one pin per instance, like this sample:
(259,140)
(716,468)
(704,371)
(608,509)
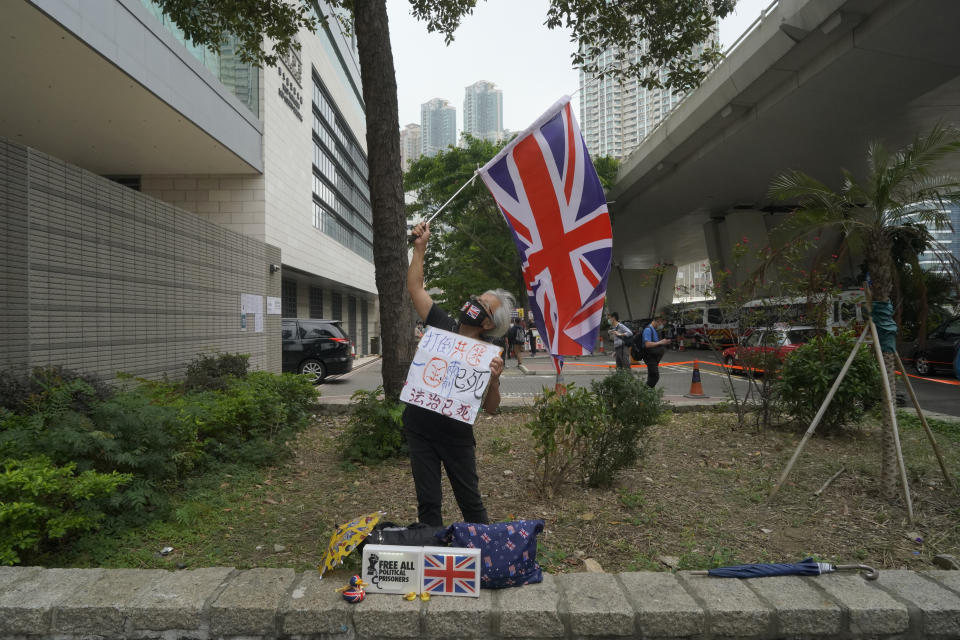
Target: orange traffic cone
(696,389)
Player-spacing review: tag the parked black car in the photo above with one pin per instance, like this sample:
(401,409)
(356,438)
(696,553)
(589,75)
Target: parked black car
(315,348)
(941,348)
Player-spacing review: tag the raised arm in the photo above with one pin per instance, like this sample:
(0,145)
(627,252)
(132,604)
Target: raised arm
(422,301)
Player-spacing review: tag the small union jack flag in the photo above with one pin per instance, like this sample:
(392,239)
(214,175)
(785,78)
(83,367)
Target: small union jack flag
(450,574)
(548,190)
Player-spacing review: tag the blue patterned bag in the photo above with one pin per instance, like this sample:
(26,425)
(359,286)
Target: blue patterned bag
(508,551)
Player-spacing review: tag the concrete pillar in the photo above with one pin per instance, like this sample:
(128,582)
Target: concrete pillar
(639,293)
(760,230)
(746,227)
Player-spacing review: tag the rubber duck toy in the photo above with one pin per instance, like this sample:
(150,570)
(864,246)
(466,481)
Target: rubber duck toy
(354,592)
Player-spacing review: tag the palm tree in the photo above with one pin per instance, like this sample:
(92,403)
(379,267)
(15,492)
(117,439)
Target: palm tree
(899,189)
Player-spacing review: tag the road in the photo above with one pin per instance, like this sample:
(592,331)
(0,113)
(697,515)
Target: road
(938,394)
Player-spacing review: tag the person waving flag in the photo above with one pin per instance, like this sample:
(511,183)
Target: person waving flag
(550,195)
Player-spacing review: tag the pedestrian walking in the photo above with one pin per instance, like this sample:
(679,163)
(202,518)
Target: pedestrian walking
(619,331)
(653,350)
(517,337)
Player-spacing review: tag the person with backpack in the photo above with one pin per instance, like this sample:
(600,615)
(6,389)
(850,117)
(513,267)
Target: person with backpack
(517,337)
(653,350)
(621,335)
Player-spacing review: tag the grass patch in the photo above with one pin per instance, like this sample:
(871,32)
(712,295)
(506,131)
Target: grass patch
(700,495)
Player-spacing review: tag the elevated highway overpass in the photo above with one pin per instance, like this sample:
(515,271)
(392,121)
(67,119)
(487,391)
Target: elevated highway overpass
(807,88)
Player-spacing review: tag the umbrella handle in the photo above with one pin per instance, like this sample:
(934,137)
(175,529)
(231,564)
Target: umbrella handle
(869,573)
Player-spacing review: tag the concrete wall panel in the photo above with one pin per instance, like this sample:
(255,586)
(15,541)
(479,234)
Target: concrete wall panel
(102,278)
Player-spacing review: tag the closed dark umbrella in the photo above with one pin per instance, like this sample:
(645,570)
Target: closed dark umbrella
(807,567)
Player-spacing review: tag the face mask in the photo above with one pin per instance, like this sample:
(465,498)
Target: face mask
(472,313)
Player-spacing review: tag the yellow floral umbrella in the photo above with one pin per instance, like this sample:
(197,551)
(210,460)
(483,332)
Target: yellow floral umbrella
(346,538)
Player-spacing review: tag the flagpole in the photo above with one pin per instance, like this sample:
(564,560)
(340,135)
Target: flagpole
(444,205)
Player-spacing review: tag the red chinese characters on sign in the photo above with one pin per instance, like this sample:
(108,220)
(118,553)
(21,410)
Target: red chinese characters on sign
(475,354)
(449,374)
(434,372)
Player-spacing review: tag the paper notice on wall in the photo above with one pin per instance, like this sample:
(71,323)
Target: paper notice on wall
(449,374)
(273,306)
(251,303)
(258,323)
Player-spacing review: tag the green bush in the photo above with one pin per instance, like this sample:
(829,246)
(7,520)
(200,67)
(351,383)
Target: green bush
(18,391)
(155,432)
(125,432)
(629,406)
(558,434)
(40,501)
(250,421)
(810,371)
(592,434)
(375,430)
(213,372)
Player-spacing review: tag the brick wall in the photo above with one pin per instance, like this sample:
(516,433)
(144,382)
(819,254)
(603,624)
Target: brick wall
(13,255)
(235,202)
(101,278)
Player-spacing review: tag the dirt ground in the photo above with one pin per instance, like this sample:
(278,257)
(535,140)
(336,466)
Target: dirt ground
(697,500)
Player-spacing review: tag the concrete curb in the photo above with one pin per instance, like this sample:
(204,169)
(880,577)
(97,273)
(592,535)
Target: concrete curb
(70,604)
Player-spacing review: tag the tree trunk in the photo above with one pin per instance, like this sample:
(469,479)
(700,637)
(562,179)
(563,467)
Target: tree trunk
(386,190)
(880,266)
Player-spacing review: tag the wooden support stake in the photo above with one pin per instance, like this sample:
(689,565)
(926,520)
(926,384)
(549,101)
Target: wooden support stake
(926,427)
(891,409)
(819,416)
(827,483)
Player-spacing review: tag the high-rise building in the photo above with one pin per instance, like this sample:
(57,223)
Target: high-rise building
(483,111)
(410,144)
(943,256)
(180,201)
(694,282)
(438,126)
(616,115)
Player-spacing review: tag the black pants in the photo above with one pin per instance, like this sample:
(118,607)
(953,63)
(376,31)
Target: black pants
(460,461)
(653,369)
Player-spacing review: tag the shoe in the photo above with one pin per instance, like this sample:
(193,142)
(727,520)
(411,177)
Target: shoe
(523,369)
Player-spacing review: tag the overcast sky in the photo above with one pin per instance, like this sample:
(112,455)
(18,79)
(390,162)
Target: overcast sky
(504,42)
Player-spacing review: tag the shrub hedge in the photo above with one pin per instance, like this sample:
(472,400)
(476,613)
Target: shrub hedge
(810,371)
(57,424)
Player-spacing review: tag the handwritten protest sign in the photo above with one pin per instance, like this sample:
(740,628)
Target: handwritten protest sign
(449,374)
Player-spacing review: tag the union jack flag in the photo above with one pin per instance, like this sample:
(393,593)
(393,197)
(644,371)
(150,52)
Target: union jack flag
(548,191)
(450,574)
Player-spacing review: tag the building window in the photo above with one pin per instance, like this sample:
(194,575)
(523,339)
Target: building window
(316,302)
(288,298)
(336,306)
(239,77)
(341,193)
